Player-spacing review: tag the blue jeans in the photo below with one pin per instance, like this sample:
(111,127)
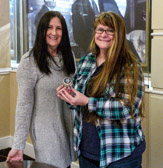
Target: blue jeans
(127,163)
(123,163)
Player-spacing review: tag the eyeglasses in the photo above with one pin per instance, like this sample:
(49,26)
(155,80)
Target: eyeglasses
(108,32)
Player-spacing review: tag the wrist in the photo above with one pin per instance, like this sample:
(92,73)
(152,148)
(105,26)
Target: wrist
(86,102)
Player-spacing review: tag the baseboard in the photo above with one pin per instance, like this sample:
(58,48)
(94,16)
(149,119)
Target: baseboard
(6,142)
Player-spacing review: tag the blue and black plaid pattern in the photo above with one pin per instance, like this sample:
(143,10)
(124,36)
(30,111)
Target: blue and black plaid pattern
(116,142)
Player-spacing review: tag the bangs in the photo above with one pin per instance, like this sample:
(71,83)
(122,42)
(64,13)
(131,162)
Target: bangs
(106,20)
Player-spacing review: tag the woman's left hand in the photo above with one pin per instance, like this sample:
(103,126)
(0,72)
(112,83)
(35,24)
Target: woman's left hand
(72,96)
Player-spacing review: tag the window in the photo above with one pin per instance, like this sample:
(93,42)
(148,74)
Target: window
(24,17)
(26,14)
(12,29)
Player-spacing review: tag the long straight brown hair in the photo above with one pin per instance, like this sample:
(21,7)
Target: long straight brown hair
(119,56)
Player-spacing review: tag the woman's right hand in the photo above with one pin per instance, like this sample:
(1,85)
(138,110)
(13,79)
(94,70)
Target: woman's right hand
(72,96)
(15,155)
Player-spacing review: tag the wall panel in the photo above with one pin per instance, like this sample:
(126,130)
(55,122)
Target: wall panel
(157,62)
(4,105)
(155,131)
(157,14)
(4,34)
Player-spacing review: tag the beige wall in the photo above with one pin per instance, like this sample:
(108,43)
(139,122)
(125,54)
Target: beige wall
(156,98)
(157,44)
(156,131)
(4,105)
(4,12)
(4,34)
(157,14)
(145,126)
(8,98)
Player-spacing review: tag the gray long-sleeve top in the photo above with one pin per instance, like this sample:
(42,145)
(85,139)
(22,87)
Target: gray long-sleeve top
(43,113)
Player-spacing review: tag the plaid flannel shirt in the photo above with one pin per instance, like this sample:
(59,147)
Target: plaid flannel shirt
(116,143)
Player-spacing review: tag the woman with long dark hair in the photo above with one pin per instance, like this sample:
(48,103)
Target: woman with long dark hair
(38,108)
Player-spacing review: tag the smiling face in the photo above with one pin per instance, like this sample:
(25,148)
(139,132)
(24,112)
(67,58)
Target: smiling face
(54,34)
(104,37)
